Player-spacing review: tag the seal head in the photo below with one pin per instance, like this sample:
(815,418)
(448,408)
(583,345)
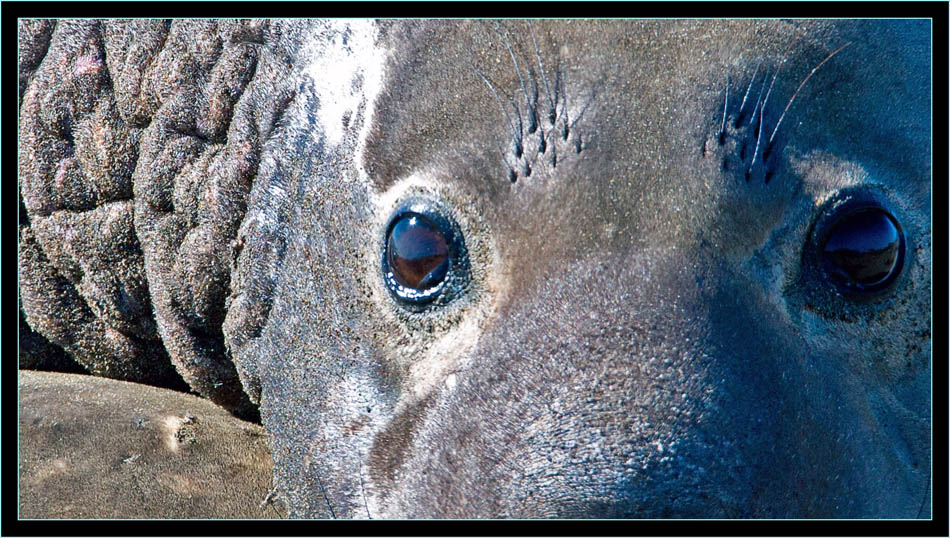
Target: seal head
(656,312)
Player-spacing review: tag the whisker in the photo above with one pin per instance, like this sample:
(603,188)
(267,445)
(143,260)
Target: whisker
(768,94)
(544,78)
(326,499)
(800,86)
(511,126)
(722,126)
(559,97)
(519,135)
(758,100)
(363,490)
(580,114)
(777,71)
(758,139)
(524,89)
(560,92)
(748,88)
(511,175)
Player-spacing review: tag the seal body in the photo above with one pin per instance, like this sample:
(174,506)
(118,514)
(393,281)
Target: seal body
(92,447)
(643,327)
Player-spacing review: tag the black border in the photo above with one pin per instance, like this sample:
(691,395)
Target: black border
(464,9)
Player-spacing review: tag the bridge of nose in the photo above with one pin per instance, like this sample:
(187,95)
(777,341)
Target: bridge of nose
(615,382)
(627,383)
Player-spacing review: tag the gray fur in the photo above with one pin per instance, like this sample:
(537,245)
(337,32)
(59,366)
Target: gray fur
(640,338)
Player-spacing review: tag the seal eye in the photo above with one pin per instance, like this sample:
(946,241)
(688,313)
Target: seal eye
(424,260)
(863,250)
(418,252)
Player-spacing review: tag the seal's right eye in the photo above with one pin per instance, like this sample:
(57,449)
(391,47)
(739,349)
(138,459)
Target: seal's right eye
(863,250)
(856,255)
(424,260)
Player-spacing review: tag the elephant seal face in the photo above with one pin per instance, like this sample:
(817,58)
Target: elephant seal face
(653,269)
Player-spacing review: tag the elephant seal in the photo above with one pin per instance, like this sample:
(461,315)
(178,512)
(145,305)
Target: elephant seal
(528,269)
(92,447)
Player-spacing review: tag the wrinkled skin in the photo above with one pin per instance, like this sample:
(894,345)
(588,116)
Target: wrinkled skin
(642,335)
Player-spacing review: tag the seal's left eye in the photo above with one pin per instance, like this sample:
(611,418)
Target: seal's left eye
(418,252)
(424,260)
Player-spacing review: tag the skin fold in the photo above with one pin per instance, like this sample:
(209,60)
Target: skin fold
(642,330)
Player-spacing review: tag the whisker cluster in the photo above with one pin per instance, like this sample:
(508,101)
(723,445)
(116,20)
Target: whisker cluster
(538,126)
(747,134)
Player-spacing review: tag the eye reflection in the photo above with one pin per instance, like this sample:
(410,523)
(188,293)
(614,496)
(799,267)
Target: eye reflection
(863,251)
(418,252)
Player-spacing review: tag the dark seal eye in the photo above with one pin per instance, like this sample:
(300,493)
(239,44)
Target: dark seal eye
(863,250)
(424,261)
(418,252)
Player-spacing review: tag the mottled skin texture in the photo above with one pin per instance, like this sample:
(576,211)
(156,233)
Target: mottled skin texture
(640,338)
